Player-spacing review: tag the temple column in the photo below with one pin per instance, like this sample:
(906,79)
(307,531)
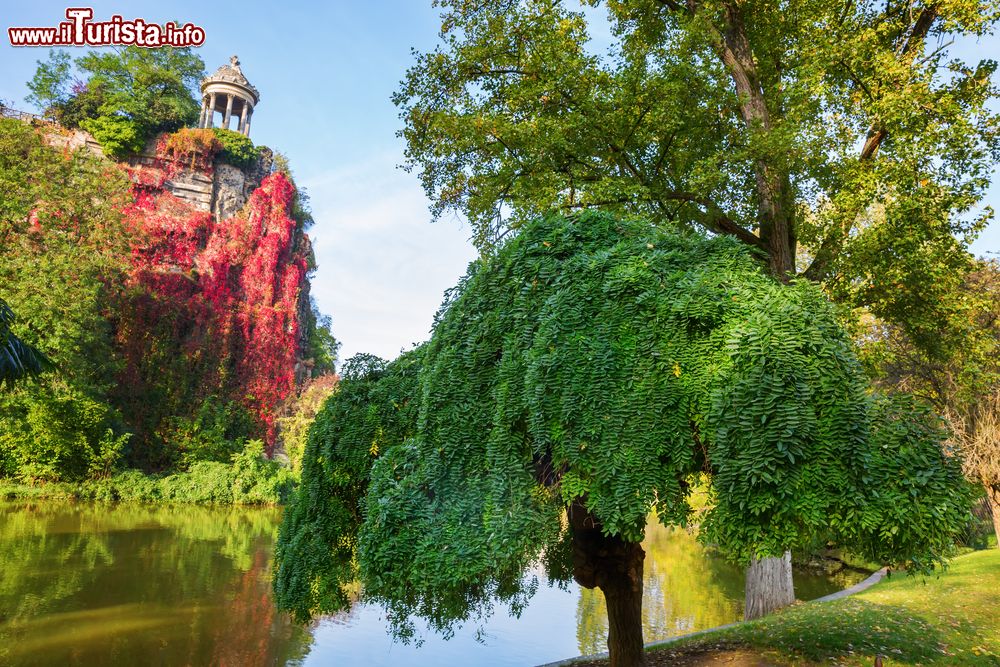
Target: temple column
(246,127)
(204,108)
(229,111)
(210,121)
(243,118)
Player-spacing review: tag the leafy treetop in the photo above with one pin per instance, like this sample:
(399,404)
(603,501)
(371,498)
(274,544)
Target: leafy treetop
(844,141)
(128,96)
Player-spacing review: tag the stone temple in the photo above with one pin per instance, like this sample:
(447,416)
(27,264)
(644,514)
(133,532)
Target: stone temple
(228,92)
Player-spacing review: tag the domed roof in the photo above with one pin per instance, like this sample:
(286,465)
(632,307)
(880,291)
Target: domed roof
(231,73)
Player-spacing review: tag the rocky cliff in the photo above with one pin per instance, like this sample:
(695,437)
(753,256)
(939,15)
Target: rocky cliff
(219,274)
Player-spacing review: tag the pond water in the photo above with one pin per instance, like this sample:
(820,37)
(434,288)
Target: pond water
(84,584)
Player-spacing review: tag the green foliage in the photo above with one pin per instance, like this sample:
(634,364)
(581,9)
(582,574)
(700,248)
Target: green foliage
(321,345)
(207,482)
(215,431)
(18,360)
(118,135)
(50,85)
(129,95)
(132,486)
(248,479)
(294,428)
(237,149)
(301,212)
(959,374)
(85,105)
(373,408)
(605,361)
(55,433)
(963,365)
(62,255)
(915,493)
(844,141)
(257,480)
(108,455)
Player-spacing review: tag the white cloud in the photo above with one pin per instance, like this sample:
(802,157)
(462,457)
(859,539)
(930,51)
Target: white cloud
(383,267)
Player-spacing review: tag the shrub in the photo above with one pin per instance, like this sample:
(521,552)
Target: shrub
(108,453)
(194,147)
(119,136)
(216,432)
(134,486)
(56,433)
(249,480)
(257,480)
(206,482)
(237,149)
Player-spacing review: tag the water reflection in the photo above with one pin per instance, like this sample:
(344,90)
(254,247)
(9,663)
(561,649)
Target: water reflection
(687,588)
(684,589)
(153,585)
(83,584)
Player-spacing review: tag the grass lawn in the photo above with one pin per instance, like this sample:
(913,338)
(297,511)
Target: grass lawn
(951,619)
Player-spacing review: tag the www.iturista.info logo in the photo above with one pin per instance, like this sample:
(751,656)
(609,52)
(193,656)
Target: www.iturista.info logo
(79,30)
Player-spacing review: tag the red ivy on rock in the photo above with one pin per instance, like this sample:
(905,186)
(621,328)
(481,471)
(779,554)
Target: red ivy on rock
(212,306)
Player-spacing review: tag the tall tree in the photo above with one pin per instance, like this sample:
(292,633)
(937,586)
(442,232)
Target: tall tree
(842,141)
(126,96)
(781,125)
(587,371)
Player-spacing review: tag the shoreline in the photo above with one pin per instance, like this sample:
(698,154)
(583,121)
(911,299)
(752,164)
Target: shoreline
(873,579)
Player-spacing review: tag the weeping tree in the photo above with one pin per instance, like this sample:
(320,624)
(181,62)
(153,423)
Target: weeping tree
(849,142)
(573,385)
(373,408)
(18,360)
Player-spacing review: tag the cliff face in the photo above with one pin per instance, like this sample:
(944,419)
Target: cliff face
(221,188)
(218,295)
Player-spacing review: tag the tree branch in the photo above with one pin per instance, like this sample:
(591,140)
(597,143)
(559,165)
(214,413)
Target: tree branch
(877,133)
(718,222)
(831,245)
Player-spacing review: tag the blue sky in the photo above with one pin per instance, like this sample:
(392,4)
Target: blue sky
(326,72)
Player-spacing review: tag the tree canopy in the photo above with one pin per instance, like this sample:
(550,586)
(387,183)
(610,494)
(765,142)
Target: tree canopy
(844,141)
(593,366)
(128,95)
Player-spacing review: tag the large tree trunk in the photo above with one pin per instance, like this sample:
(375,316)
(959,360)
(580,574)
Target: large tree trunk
(614,566)
(769,586)
(993,499)
(776,205)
